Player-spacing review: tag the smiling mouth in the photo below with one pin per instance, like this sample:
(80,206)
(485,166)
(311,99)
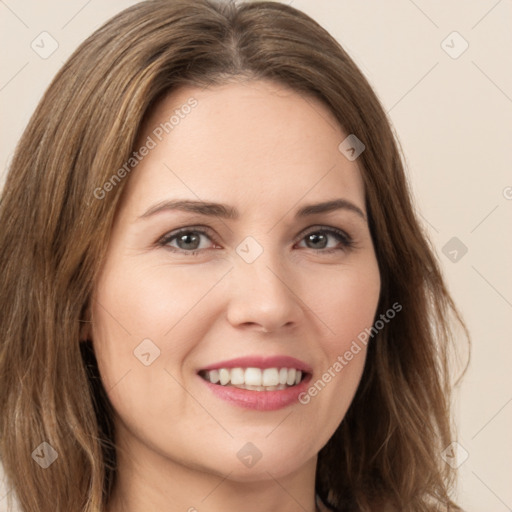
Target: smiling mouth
(255,379)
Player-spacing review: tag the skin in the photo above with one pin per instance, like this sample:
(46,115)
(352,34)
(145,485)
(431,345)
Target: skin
(267,151)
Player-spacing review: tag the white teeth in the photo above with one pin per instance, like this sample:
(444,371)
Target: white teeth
(290,380)
(252,377)
(225,376)
(270,377)
(262,388)
(237,376)
(256,379)
(214,376)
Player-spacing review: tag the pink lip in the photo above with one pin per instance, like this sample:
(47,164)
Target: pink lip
(260,400)
(261,362)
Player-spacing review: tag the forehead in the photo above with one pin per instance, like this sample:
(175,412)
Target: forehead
(242,141)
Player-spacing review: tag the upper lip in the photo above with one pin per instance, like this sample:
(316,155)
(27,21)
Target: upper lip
(261,362)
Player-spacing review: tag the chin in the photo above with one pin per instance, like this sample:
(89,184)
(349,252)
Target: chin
(249,464)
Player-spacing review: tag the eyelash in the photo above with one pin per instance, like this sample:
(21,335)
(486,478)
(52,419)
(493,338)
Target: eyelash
(346,241)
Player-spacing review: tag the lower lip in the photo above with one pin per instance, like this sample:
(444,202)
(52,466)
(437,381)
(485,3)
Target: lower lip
(259,400)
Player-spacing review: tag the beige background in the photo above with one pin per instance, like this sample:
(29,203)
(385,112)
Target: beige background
(453,117)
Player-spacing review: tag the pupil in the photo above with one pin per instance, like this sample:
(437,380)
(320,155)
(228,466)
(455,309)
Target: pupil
(186,237)
(315,237)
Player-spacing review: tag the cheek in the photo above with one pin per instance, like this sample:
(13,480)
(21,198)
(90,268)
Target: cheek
(140,323)
(147,309)
(136,302)
(346,302)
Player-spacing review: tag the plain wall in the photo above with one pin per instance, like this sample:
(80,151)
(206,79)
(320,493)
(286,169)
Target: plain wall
(453,116)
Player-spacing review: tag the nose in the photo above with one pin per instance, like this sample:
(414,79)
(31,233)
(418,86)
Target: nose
(263,295)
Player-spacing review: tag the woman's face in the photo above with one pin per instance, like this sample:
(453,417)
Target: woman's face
(272,280)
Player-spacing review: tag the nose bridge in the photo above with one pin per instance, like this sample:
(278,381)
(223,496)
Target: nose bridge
(260,291)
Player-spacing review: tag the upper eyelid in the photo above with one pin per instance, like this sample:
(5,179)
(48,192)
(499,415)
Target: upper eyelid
(175,232)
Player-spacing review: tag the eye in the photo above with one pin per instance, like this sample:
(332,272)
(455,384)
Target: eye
(319,238)
(188,240)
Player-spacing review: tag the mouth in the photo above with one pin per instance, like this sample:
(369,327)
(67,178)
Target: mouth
(258,382)
(254,378)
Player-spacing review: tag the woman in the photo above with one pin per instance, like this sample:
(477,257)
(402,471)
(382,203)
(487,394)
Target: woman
(296,352)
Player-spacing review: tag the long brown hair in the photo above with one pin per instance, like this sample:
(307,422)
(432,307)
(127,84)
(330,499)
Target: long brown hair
(54,231)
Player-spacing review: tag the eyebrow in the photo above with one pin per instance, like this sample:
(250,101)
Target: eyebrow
(229,212)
